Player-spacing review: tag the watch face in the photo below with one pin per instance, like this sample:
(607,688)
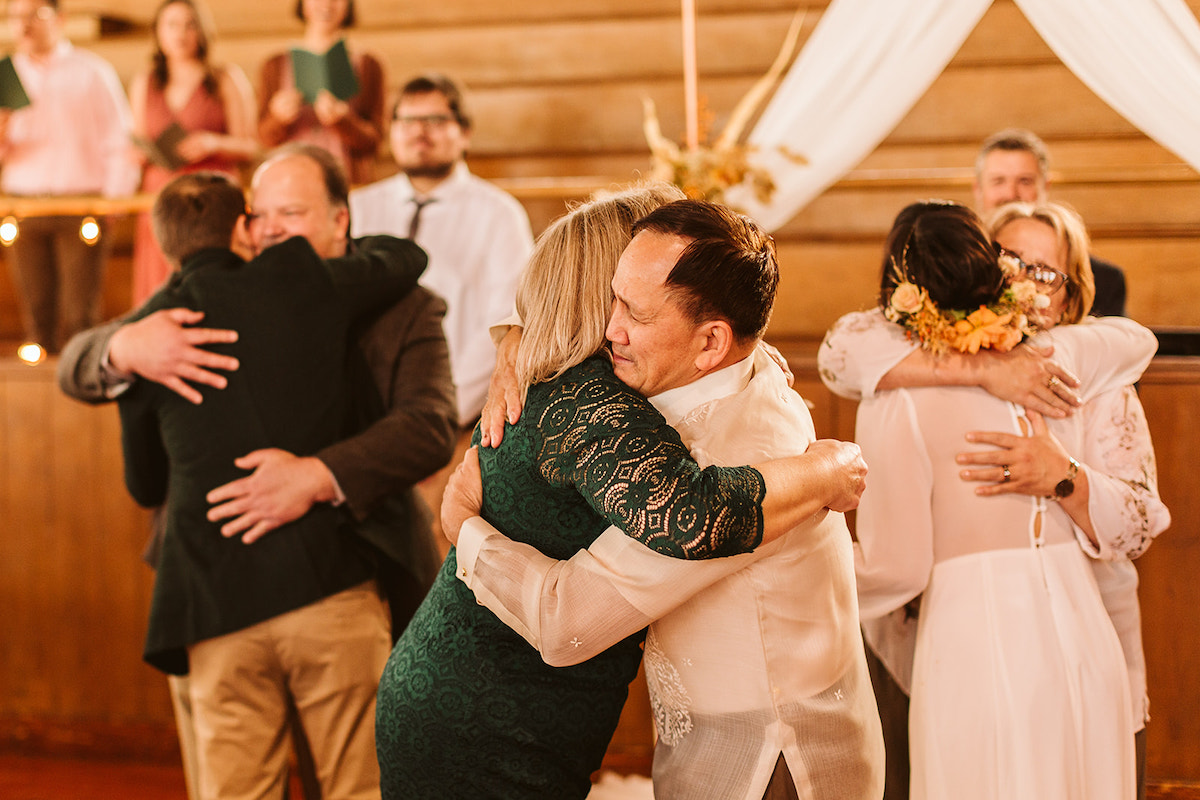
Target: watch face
(1064,488)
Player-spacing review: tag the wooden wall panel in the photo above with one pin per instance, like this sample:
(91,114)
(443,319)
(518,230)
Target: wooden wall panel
(1169,590)
(74,593)
(73,589)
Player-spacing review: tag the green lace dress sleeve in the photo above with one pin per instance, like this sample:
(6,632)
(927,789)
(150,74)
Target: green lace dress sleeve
(615,448)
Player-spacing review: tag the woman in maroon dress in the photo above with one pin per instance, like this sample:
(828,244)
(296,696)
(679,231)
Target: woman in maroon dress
(213,107)
(351,129)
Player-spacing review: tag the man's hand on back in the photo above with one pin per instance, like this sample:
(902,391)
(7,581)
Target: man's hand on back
(846,472)
(282,488)
(162,348)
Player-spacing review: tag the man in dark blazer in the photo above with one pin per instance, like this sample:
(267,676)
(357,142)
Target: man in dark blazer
(301,190)
(403,390)
(294,617)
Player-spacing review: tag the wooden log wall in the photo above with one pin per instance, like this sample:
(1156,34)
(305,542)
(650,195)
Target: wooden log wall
(556,90)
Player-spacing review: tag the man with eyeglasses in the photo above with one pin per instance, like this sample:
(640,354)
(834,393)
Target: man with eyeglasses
(1014,164)
(72,139)
(477,236)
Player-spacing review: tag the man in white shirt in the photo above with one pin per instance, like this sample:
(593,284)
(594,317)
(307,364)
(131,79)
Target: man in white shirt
(477,236)
(755,665)
(72,139)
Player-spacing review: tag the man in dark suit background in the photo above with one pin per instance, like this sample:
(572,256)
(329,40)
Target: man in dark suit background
(294,617)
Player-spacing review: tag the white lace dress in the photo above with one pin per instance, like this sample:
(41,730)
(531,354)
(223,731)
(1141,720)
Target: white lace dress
(1019,682)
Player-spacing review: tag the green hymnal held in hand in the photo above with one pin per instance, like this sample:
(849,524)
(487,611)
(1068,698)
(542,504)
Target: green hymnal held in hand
(330,71)
(12,93)
(163,150)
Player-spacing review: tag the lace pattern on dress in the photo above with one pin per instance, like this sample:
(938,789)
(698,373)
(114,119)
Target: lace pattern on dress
(669,699)
(636,472)
(1128,456)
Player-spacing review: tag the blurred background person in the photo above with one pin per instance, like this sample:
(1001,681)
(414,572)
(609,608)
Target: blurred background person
(350,129)
(477,236)
(1014,164)
(184,92)
(72,139)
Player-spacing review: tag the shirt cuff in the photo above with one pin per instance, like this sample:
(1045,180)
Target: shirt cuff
(339,497)
(470,541)
(113,382)
(499,329)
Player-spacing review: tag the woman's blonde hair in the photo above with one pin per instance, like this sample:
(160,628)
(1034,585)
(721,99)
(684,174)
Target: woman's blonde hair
(564,297)
(1070,231)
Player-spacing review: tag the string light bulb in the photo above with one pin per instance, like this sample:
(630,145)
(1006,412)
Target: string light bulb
(9,230)
(31,353)
(89,230)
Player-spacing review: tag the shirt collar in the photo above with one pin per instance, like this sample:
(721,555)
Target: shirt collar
(61,50)
(675,404)
(457,178)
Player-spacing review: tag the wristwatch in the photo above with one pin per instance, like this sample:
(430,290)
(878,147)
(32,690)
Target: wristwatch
(1067,485)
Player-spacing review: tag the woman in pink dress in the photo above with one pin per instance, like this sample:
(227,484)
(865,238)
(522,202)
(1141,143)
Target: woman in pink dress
(212,106)
(351,129)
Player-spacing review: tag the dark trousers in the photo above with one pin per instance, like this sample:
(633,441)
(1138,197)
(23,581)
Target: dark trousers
(59,279)
(781,787)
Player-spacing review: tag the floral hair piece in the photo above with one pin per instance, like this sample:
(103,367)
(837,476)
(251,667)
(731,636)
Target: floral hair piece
(999,326)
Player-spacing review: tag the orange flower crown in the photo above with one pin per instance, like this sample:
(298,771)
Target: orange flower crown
(1000,326)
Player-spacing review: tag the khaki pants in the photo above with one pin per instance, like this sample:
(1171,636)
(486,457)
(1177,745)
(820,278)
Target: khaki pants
(326,658)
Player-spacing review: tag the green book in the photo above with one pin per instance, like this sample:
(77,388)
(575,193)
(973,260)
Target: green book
(12,93)
(330,70)
(163,150)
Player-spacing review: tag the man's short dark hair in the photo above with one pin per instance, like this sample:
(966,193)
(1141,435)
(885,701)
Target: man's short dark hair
(729,270)
(333,175)
(436,82)
(196,211)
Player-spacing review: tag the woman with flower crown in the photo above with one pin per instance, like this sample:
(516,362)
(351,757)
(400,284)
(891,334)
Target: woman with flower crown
(1019,683)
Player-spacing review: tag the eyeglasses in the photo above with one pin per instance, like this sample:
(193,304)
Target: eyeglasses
(1045,276)
(426,121)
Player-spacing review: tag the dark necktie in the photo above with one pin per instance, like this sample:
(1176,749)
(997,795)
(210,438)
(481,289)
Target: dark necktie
(415,223)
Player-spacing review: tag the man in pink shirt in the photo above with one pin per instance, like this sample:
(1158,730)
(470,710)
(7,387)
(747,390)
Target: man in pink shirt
(73,139)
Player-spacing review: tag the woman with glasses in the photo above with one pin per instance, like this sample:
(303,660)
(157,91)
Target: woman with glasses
(350,127)
(1019,684)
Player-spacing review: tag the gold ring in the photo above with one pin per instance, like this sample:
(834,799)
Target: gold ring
(1007,475)
(1050,384)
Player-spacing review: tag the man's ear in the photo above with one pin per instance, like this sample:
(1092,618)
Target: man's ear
(718,342)
(341,221)
(240,241)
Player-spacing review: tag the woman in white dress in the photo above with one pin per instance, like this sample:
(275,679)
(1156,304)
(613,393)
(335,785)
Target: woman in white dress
(1019,684)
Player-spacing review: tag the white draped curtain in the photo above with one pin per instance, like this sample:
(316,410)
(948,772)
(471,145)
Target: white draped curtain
(869,61)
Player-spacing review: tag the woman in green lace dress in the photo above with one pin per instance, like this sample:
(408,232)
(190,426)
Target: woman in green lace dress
(467,708)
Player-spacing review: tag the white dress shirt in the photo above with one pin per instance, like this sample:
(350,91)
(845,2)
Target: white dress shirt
(747,657)
(478,240)
(73,137)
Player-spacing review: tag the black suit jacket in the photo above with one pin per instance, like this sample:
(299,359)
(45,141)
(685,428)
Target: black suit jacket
(1110,289)
(294,315)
